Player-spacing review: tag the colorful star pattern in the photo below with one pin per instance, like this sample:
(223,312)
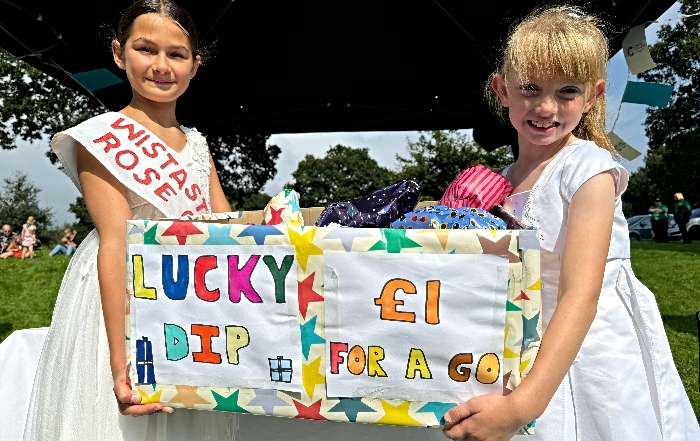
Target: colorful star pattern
(438,409)
(307,294)
(351,407)
(181,230)
(442,235)
(268,400)
(500,247)
(148,399)
(276,216)
(260,232)
(347,236)
(135,229)
(311,377)
(149,237)
(304,246)
(309,337)
(312,412)
(506,379)
(220,235)
(397,415)
(394,241)
(187,396)
(228,404)
(510,306)
(522,296)
(530,334)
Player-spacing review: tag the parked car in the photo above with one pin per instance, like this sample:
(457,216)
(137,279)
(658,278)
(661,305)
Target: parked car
(640,227)
(693,226)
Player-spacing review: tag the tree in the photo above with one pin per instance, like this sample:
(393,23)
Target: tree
(19,199)
(79,210)
(344,173)
(33,105)
(672,163)
(244,163)
(437,157)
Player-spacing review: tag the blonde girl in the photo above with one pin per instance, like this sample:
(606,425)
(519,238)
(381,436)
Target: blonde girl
(12,248)
(28,238)
(604,369)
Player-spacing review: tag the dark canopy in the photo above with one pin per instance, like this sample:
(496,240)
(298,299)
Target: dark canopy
(311,66)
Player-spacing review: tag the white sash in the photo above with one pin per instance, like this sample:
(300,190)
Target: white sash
(136,157)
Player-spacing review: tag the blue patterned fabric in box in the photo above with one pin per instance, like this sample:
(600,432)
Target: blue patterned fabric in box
(442,217)
(376,210)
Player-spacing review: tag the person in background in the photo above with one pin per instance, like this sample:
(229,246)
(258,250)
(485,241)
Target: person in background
(6,237)
(13,248)
(682,215)
(70,242)
(659,221)
(28,238)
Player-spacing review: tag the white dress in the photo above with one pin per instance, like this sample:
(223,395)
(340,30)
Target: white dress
(72,397)
(623,384)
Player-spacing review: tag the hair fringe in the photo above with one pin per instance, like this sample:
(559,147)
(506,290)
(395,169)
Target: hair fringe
(561,41)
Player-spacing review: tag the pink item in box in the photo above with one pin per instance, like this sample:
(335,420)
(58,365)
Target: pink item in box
(477,187)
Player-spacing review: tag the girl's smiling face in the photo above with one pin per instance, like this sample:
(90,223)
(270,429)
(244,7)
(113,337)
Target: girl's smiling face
(157,57)
(544,112)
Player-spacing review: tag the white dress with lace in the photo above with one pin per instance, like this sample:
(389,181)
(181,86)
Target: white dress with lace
(623,384)
(72,397)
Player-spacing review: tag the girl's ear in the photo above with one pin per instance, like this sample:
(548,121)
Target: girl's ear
(118,54)
(498,83)
(598,90)
(195,66)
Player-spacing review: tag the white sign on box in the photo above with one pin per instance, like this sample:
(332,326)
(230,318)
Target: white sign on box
(419,327)
(206,315)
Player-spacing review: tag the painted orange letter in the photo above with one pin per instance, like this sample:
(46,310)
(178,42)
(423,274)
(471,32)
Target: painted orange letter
(388,302)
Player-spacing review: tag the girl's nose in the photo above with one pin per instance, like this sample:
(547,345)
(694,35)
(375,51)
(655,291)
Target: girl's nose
(547,105)
(160,64)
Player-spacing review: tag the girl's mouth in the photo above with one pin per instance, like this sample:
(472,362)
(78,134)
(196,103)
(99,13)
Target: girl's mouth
(542,126)
(160,82)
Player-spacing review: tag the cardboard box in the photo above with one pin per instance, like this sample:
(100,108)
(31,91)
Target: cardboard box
(326,270)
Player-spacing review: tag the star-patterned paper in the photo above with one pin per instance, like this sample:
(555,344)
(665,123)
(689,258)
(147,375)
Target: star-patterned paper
(521,336)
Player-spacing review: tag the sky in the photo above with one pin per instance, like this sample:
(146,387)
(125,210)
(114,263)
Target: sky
(57,191)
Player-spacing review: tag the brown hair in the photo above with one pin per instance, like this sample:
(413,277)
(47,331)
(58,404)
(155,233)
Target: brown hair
(164,8)
(560,42)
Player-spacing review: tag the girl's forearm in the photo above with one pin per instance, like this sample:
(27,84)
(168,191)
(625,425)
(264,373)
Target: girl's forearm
(111,267)
(560,344)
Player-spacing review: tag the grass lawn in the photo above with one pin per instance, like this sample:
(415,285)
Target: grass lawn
(672,271)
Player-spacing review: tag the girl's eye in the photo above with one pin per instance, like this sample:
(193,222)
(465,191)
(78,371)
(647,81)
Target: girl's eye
(570,91)
(144,49)
(529,89)
(177,55)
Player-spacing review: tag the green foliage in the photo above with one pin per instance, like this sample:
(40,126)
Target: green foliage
(33,105)
(253,201)
(672,163)
(244,163)
(19,199)
(84,224)
(344,173)
(437,157)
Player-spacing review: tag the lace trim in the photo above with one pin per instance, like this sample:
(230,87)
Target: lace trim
(196,157)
